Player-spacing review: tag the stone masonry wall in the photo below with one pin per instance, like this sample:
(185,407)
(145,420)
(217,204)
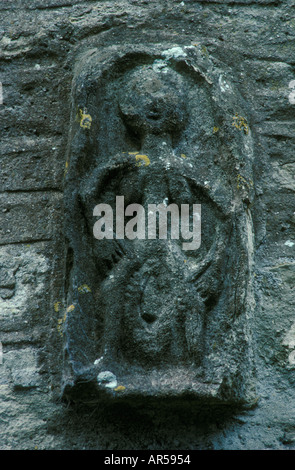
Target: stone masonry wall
(38,42)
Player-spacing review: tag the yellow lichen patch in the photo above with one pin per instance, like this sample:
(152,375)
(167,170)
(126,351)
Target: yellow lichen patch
(204,51)
(84,289)
(132,153)
(215,129)
(142,160)
(56,306)
(85,119)
(60,323)
(59,326)
(70,308)
(240,123)
(242,182)
(120,388)
(183,155)
(66,168)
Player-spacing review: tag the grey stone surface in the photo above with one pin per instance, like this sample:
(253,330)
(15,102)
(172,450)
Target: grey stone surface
(41,42)
(152,124)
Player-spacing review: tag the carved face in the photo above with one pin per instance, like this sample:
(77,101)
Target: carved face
(153,102)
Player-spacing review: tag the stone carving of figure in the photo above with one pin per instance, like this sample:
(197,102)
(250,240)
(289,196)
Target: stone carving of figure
(145,315)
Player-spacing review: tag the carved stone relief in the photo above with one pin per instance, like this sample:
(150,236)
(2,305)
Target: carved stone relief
(145,316)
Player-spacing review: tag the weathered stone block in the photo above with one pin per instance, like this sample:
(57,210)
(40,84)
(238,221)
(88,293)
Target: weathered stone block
(158,124)
(23,367)
(31,164)
(28,217)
